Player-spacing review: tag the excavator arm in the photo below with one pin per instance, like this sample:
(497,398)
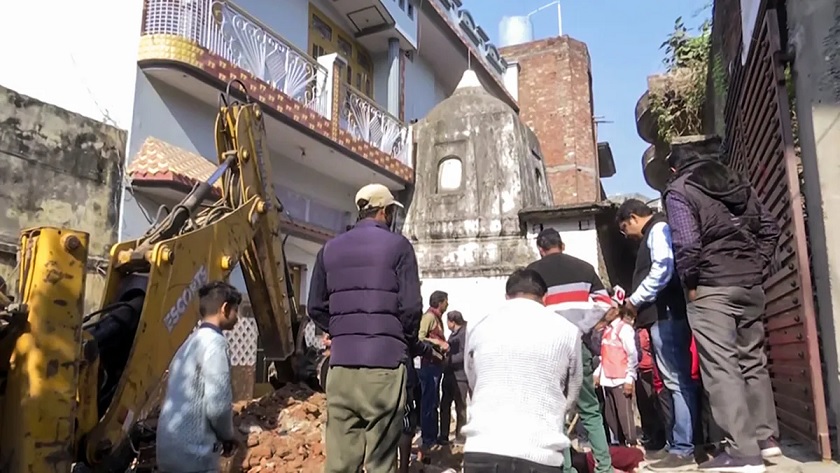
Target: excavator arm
(150,307)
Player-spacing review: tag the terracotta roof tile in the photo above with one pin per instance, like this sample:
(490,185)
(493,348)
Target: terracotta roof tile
(160,162)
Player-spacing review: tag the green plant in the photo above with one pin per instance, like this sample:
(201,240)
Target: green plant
(678,98)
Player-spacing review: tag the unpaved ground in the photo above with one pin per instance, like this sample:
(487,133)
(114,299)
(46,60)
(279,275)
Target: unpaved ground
(285,431)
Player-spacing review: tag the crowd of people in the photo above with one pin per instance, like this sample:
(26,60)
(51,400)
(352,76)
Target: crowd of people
(685,348)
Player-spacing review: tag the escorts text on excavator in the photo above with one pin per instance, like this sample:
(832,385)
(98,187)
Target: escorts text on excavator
(75,389)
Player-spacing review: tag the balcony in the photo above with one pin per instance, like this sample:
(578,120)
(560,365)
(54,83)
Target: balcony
(217,41)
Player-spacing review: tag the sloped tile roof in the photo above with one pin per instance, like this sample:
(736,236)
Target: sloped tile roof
(159,162)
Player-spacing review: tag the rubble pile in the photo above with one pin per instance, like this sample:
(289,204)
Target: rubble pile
(285,432)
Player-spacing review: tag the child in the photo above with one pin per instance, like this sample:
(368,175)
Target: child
(652,426)
(617,375)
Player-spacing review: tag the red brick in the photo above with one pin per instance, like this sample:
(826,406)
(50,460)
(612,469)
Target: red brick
(555,100)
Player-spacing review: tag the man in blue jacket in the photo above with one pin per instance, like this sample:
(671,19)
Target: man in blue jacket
(365,293)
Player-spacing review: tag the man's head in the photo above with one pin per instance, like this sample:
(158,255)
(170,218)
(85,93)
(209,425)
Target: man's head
(549,242)
(439,300)
(527,284)
(375,201)
(682,156)
(219,304)
(454,319)
(632,217)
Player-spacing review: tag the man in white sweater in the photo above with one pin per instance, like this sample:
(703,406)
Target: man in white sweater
(196,421)
(523,365)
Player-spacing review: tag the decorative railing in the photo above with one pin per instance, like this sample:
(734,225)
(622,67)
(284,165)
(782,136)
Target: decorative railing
(232,34)
(366,121)
(229,32)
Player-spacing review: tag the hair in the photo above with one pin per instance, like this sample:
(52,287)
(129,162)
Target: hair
(455,317)
(526,281)
(548,239)
(681,156)
(437,298)
(215,294)
(632,207)
(366,213)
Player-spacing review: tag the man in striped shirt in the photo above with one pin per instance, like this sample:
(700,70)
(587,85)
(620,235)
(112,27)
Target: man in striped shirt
(576,292)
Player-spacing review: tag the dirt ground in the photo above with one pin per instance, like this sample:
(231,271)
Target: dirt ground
(285,432)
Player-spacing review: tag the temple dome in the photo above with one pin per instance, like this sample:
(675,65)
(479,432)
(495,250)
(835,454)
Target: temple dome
(469,98)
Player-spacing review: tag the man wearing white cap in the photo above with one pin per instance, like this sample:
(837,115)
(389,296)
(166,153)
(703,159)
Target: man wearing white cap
(365,293)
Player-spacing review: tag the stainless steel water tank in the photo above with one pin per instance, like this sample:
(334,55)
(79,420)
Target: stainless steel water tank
(515,30)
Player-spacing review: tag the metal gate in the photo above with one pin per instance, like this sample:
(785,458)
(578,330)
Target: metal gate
(759,144)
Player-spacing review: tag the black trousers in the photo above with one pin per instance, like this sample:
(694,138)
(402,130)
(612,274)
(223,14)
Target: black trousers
(646,402)
(489,463)
(452,392)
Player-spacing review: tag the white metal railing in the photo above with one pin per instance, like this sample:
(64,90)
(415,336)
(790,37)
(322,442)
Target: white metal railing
(366,121)
(229,32)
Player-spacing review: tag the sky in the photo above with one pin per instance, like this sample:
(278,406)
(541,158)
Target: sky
(623,37)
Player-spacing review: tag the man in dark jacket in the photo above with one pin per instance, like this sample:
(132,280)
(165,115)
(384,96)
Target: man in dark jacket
(724,240)
(658,301)
(455,385)
(365,293)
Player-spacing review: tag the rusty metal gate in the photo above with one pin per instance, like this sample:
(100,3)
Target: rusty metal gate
(759,143)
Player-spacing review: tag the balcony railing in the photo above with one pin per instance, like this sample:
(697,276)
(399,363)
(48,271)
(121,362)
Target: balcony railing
(229,32)
(366,121)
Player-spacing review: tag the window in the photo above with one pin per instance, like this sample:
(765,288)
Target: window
(402,5)
(326,37)
(450,174)
(410,10)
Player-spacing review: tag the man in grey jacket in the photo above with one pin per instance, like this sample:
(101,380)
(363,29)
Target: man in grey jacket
(454,386)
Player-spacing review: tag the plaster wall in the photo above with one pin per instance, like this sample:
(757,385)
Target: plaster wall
(423,89)
(475,297)
(57,168)
(814,36)
(163,112)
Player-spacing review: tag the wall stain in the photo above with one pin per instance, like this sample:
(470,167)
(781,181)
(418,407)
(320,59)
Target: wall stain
(57,168)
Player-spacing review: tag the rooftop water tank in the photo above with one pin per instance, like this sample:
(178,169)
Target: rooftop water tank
(515,30)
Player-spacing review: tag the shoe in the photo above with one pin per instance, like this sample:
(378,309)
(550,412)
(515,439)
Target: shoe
(726,463)
(674,462)
(769,448)
(656,455)
(442,441)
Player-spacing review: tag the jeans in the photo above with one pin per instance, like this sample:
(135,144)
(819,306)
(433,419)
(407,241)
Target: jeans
(671,340)
(475,462)
(429,401)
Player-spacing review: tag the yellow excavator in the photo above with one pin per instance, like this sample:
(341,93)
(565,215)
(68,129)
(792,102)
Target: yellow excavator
(75,388)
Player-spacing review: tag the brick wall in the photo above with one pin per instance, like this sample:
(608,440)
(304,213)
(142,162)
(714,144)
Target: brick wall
(555,100)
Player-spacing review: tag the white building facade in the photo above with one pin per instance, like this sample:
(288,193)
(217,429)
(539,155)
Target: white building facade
(340,84)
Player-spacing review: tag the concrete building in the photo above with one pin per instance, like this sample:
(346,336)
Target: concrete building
(478,165)
(340,83)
